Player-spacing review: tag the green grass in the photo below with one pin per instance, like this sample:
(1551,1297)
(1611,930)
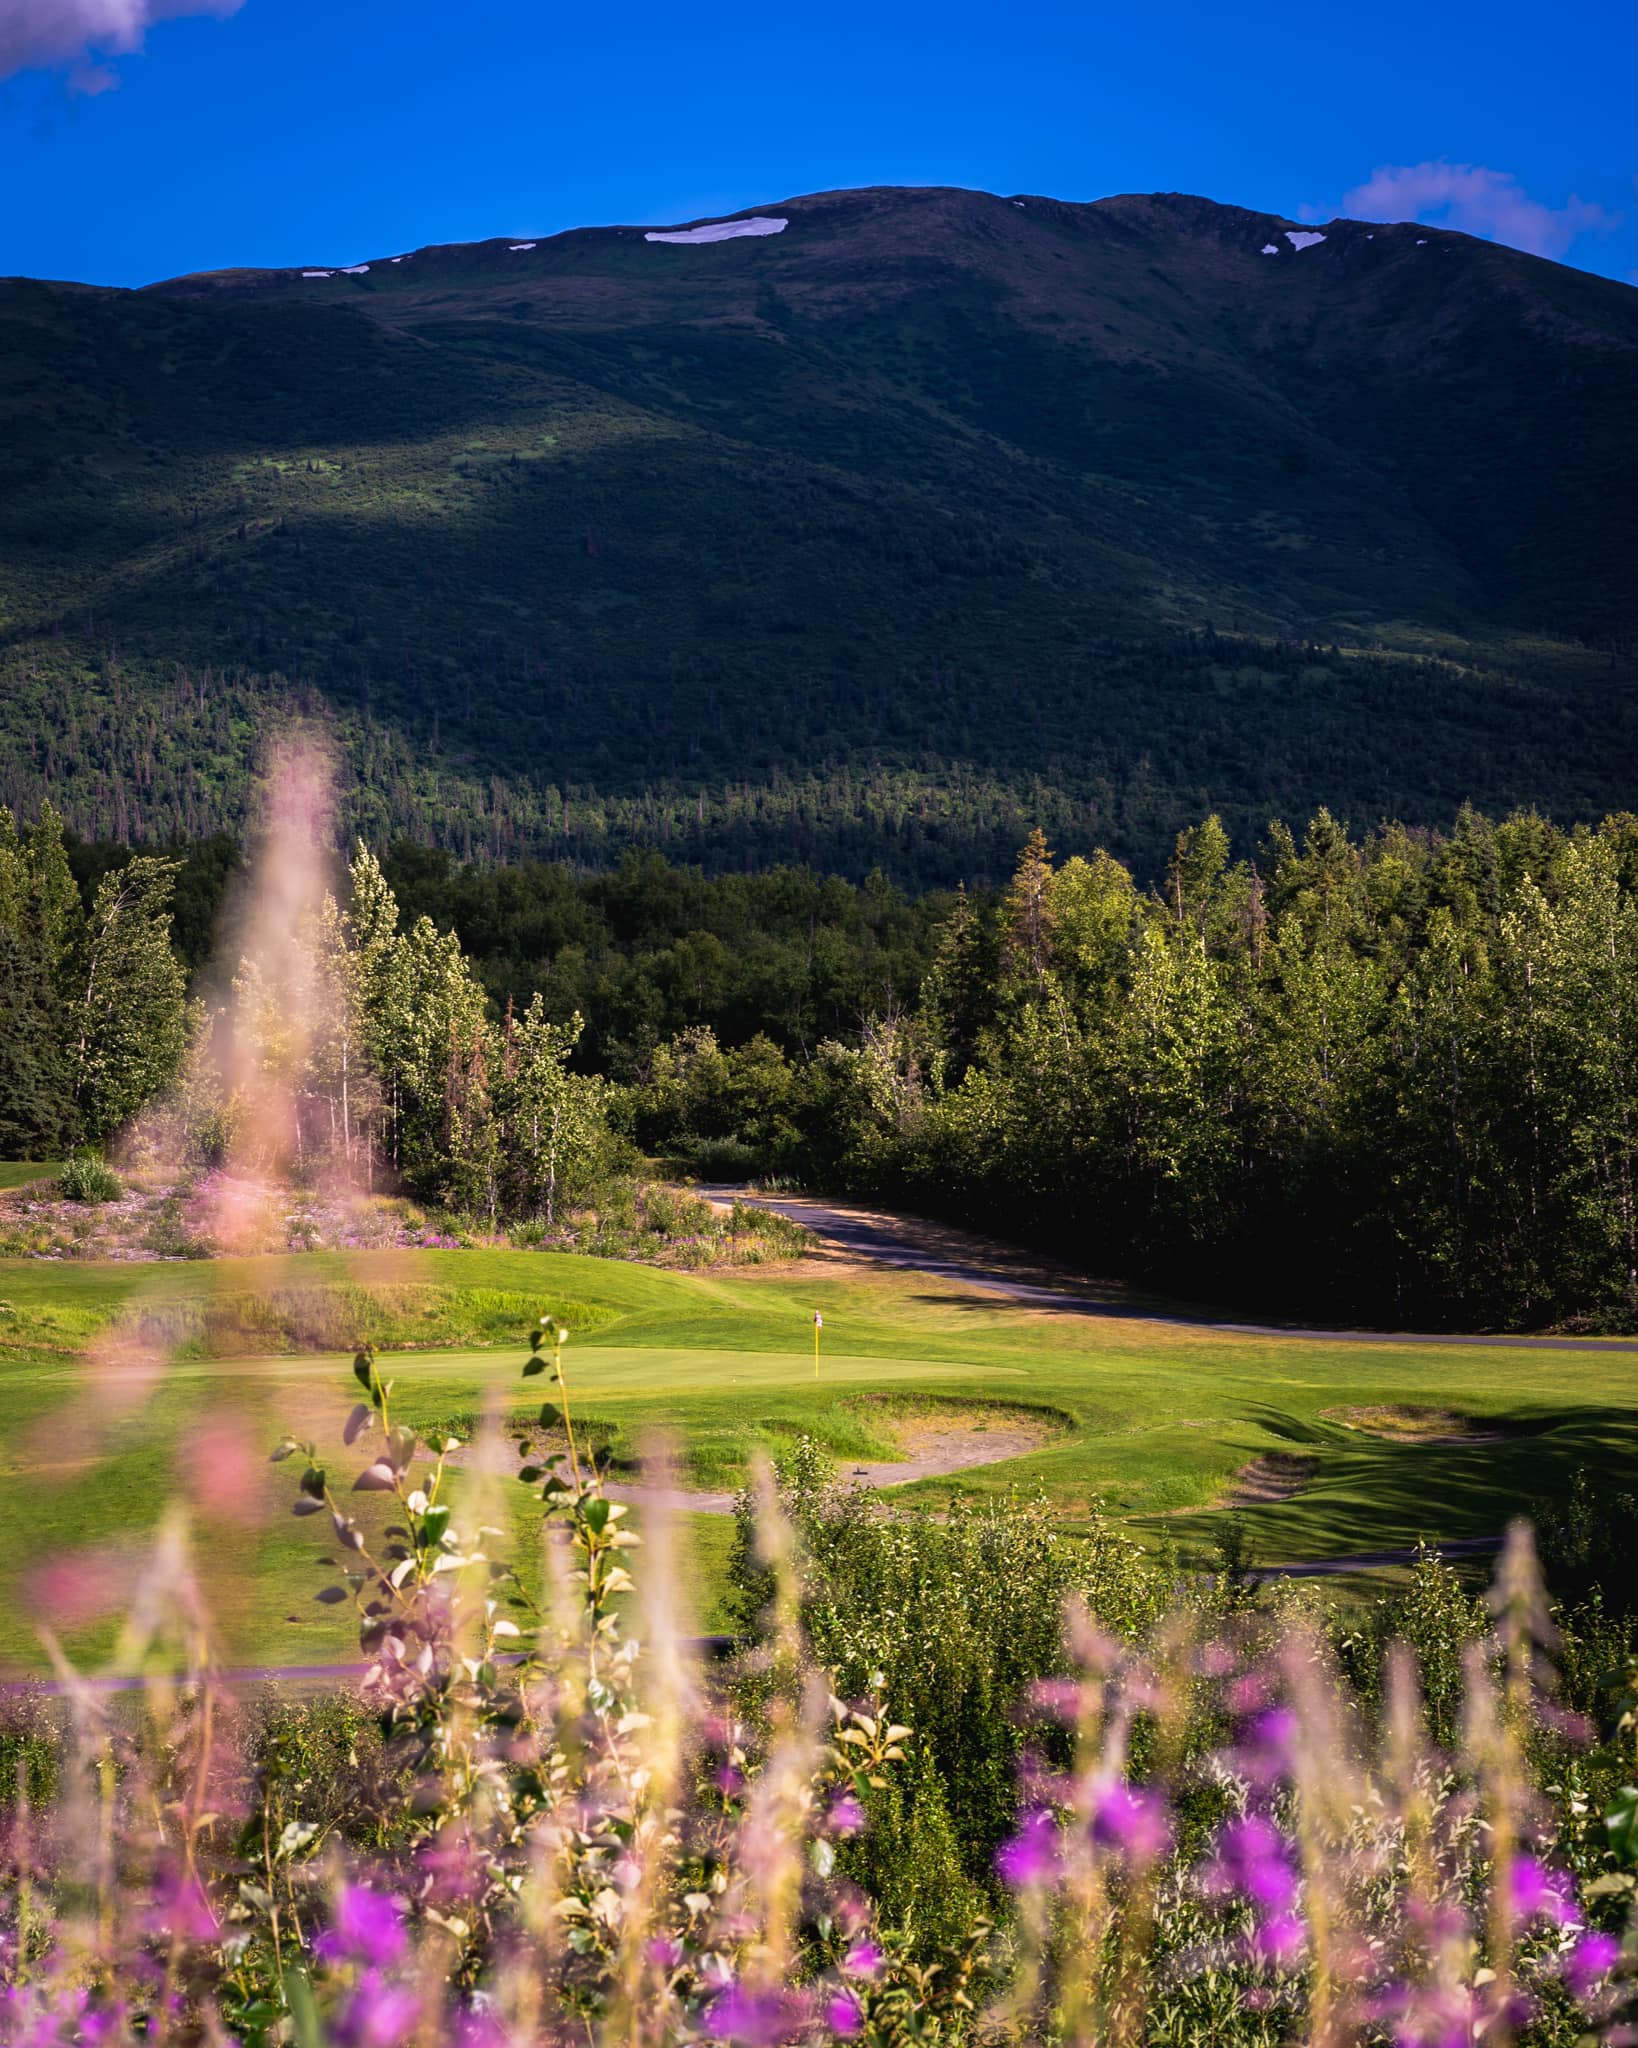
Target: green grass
(18,1173)
(1153,1419)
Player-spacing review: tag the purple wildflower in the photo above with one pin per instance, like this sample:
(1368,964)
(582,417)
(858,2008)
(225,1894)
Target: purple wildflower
(666,1951)
(844,2015)
(454,1865)
(368,1928)
(752,2019)
(1131,1820)
(1538,1892)
(847,1816)
(1030,1857)
(1264,1755)
(180,1908)
(476,2029)
(379,2014)
(863,1959)
(1058,1698)
(1590,1962)
(1253,1859)
(104,2023)
(1279,1939)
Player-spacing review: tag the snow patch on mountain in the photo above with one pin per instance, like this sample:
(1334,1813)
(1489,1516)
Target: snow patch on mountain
(1299,239)
(721,230)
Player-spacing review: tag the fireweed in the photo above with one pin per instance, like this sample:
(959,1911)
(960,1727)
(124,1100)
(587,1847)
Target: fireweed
(564,1833)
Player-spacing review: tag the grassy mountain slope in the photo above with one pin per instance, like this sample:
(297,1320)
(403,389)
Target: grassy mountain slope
(873,539)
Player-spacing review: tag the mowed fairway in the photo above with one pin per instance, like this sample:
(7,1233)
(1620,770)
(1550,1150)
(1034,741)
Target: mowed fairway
(127,1385)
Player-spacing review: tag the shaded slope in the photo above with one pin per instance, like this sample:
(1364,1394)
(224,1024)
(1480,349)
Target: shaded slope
(925,492)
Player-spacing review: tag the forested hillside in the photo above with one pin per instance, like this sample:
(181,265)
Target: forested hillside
(876,541)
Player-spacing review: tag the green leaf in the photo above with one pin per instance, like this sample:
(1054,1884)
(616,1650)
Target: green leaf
(304,2017)
(533,1366)
(1622,1824)
(312,1482)
(364,1369)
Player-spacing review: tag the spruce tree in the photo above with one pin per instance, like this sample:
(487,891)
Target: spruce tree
(131,1015)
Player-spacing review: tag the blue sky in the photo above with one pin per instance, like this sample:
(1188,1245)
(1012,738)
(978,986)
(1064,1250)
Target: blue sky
(294,131)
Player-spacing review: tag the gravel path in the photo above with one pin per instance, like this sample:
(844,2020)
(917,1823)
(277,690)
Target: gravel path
(945,1254)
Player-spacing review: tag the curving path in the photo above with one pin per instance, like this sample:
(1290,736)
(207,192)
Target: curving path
(904,1241)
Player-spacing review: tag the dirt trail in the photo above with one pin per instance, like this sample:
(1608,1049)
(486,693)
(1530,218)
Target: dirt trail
(946,1253)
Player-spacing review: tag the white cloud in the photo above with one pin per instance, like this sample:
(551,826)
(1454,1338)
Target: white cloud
(1479,201)
(76,35)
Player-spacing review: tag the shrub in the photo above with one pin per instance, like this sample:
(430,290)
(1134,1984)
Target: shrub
(86,1178)
(726,1159)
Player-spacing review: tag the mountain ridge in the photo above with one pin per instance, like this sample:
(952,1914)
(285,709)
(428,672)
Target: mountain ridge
(931,483)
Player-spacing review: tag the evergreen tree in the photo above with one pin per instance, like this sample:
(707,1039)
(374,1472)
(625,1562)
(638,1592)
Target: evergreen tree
(1026,915)
(36,1082)
(130,1018)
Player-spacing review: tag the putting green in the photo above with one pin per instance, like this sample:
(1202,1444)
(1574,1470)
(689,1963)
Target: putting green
(1154,1419)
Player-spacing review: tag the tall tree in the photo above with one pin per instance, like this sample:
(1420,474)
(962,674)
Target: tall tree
(556,1131)
(131,1015)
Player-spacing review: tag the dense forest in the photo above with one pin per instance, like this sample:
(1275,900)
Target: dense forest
(1397,1077)
(935,773)
(1393,1076)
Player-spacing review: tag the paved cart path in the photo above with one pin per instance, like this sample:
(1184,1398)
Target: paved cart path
(922,1246)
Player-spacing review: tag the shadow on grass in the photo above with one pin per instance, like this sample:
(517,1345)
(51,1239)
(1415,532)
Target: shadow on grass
(1373,1493)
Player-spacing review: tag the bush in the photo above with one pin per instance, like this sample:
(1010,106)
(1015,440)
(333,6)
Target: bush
(86,1178)
(727,1159)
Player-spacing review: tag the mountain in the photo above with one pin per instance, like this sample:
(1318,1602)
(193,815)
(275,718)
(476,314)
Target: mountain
(872,536)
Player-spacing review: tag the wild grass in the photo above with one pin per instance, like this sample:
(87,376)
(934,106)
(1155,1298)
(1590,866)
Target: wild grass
(968,1785)
(22,1173)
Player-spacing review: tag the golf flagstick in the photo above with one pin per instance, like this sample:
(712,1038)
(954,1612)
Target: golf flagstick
(818,1325)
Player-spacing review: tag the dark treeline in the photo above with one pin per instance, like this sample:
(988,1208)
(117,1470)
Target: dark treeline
(933,770)
(641,951)
(648,950)
(1394,1076)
